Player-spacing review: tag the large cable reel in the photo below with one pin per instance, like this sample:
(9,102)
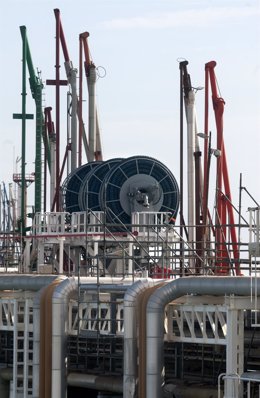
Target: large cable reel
(89,192)
(138,184)
(72,184)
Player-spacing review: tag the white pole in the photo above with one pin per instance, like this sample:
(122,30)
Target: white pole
(61,255)
(92,112)
(72,78)
(190,115)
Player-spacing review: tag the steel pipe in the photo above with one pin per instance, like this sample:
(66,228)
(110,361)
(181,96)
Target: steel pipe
(219,286)
(130,335)
(103,383)
(60,299)
(25,282)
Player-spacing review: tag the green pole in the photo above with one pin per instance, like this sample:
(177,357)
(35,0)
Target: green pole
(23,185)
(23,116)
(38,152)
(36,89)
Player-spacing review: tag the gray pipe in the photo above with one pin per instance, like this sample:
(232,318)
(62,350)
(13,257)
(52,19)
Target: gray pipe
(36,342)
(219,286)
(130,337)
(36,338)
(25,282)
(60,299)
(103,383)
(33,283)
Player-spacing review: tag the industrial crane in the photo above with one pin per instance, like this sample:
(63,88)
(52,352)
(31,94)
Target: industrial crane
(224,207)
(74,143)
(94,148)
(194,172)
(36,87)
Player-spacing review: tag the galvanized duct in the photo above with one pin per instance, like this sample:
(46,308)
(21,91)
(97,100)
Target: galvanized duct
(218,286)
(102,383)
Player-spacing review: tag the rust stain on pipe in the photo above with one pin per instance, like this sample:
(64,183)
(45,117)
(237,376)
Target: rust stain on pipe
(46,340)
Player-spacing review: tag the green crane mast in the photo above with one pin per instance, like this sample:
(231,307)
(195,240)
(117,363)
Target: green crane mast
(36,87)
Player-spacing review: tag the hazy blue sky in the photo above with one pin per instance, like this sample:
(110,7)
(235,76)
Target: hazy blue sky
(138,43)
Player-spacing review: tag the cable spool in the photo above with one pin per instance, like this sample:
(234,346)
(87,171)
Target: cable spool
(72,184)
(90,188)
(138,184)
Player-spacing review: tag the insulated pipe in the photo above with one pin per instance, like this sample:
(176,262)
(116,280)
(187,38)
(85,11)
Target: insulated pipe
(60,299)
(47,329)
(87,283)
(34,283)
(110,279)
(218,286)
(105,287)
(144,297)
(103,383)
(42,341)
(36,342)
(130,335)
(25,282)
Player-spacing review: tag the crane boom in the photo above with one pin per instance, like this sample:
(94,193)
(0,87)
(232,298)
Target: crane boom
(95,149)
(224,200)
(36,87)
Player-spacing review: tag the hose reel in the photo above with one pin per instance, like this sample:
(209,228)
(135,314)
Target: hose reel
(122,186)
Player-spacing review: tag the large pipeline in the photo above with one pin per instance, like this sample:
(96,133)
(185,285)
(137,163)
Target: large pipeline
(31,283)
(38,330)
(60,299)
(94,382)
(25,282)
(46,333)
(131,309)
(144,297)
(218,286)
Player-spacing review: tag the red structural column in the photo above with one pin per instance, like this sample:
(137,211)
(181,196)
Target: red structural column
(57,83)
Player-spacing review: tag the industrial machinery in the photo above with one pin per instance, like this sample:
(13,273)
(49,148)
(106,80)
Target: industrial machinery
(113,292)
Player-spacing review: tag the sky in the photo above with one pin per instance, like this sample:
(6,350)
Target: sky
(138,45)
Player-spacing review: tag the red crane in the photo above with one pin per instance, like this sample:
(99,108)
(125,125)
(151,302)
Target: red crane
(225,223)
